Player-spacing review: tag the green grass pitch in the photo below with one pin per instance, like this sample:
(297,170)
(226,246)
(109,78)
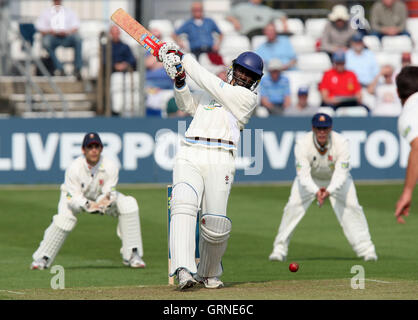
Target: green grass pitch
(94,270)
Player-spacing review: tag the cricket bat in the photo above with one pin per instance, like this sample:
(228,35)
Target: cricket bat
(137,31)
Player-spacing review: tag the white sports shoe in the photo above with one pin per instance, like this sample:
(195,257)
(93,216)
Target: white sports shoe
(135,261)
(370,257)
(209,282)
(185,279)
(40,264)
(277,256)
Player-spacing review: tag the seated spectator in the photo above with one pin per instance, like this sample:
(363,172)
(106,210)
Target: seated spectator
(156,81)
(339,87)
(388,18)
(384,89)
(199,31)
(302,108)
(278,47)
(57,32)
(122,56)
(251,17)
(337,32)
(361,61)
(155,73)
(275,89)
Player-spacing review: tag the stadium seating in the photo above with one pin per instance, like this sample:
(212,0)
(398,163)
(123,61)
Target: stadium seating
(356,111)
(165,26)
(396,44)
(318,61)
(303,43)
(373,43)
(233,45)
(315,26)
(226,27)
(294,26)
(257,41)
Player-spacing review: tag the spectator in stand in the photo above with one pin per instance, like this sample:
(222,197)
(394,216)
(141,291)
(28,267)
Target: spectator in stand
(278,47)
(122,56)
(302,108)
(275,89)
(338,31)
(59,26)
(156,80)
(388,18)
(251,17)
(406,59)
(199,31)
(339,87)
(361,61)
(384,89)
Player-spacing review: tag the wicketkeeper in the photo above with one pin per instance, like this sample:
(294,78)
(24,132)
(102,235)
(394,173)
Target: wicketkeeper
(90,186)
(323,171)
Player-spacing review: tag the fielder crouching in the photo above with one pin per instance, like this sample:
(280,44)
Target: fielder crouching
(323,170)
(89,185)
(205,164)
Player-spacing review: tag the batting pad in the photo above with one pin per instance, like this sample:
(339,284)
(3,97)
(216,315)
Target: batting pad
(182,243)
(129,226)
(54,237)
(214,235)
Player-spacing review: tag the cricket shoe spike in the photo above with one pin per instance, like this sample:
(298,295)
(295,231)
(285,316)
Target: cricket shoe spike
(185,279)
(40,264)
(370,257)
(277,256)
(135,261)
(209,282)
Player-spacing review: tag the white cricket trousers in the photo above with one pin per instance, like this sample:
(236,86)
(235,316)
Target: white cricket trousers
(349,213)
(202,178)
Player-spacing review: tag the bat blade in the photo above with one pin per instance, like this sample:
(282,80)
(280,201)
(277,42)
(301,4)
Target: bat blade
(137,31)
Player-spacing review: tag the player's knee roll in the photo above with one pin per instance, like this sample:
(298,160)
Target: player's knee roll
(126,204)
(215,228)
(184,200)
(65,222)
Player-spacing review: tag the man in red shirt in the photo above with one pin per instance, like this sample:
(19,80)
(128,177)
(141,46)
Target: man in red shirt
(340,87)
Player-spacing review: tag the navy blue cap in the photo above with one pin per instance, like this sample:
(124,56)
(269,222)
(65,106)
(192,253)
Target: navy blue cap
(91,137)
(321,120)
(303,91)
(357,37)
(338,56)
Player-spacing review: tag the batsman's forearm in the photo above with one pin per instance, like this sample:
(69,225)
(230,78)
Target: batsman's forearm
(411,171)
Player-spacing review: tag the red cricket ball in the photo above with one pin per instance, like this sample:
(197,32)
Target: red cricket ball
(293,267)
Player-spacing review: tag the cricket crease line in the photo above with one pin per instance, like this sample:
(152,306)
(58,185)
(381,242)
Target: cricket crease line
(380,281)
(12,292)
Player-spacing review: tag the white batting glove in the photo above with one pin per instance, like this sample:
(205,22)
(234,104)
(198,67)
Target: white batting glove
(168,46)
(172,65)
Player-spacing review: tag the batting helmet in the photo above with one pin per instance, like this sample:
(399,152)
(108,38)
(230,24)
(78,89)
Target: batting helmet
(251,65)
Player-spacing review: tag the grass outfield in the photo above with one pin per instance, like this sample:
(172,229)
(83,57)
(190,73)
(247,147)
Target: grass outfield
(94,270)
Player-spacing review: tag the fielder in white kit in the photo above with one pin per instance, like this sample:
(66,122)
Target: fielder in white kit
(407,84)
(205,164)
(323,170)
(90,186)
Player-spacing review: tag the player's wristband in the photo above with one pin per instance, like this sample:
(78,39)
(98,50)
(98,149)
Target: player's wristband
(180,80)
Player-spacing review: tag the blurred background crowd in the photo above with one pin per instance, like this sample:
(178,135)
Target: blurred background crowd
(65,58)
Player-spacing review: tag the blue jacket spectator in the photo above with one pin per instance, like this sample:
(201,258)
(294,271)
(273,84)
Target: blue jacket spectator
(361,61)
(122,56)
(199,31)
(278,47)
(275,89)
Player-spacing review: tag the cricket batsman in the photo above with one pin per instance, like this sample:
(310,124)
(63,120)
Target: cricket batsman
(406,82)
(90,186)
(205,163)
(323,171)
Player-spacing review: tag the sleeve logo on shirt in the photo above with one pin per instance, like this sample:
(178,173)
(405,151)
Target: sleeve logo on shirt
(345,165)
(406,131)
(212,105)
(298,166)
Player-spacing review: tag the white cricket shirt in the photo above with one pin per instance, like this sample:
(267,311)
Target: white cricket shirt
(83,183)
(333,166)
(408,120)
(219,111)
